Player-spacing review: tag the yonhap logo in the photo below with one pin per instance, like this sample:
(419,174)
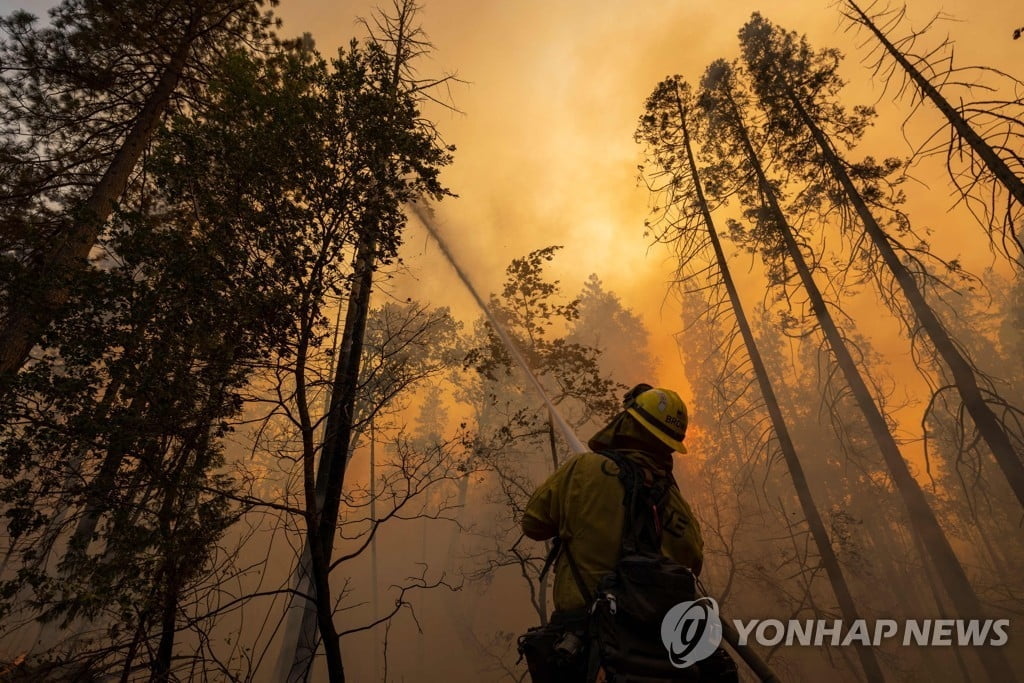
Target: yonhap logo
(691,631)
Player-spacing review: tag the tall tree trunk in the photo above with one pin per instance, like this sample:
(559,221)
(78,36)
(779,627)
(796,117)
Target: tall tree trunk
(338,430)
(374,567)
(905,588)
(995,164)
(170,576)
(73,474)
(99,490)
(922,519)
(936,593)
(47,287)
(178,502)
(331,473)
(868,661)
(161,665)
(989,426)
(300,636)
(133,648)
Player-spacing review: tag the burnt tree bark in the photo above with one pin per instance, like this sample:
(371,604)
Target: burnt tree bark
(829,561)
(922,519)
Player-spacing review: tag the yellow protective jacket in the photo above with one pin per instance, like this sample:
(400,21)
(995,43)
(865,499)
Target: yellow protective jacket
(582,504)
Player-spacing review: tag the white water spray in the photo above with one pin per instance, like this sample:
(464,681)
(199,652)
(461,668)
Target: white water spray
(423,214)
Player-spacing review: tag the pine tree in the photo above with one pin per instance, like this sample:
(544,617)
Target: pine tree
(724,103)
(666,127)
(798,89)
(82,101)
(143,379)
(604,323)
(392,156)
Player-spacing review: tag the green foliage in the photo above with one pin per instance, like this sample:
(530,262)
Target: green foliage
(221,259)
(728,135)
(72,89)
(526,296)
(533,310)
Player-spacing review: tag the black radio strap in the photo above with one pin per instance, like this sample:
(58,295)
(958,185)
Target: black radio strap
(558,546)
(587,597)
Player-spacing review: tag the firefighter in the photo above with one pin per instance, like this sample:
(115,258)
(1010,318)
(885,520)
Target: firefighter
(581,507)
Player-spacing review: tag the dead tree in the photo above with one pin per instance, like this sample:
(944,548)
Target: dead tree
(666,126)
(993,149)
(796,88)
(721,103)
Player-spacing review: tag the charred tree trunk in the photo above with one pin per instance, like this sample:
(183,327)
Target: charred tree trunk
(331,474)
(161,666)
(192,461)
(868,661)
(936,594)
(995,164)
(989,426)
(374,567)
(922,519)
(99,490)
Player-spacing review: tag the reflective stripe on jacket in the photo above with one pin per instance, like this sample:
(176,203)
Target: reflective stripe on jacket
(582,504)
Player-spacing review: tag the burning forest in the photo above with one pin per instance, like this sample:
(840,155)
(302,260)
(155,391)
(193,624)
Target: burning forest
(511,342)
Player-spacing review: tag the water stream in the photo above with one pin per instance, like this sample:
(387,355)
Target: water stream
(424,214)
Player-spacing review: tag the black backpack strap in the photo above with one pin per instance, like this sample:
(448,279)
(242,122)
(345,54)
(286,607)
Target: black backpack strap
(644,505)
(641,527)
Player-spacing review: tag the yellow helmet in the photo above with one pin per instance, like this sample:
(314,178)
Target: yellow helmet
(662,413)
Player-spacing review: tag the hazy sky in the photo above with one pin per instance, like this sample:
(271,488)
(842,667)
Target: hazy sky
(552,95)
